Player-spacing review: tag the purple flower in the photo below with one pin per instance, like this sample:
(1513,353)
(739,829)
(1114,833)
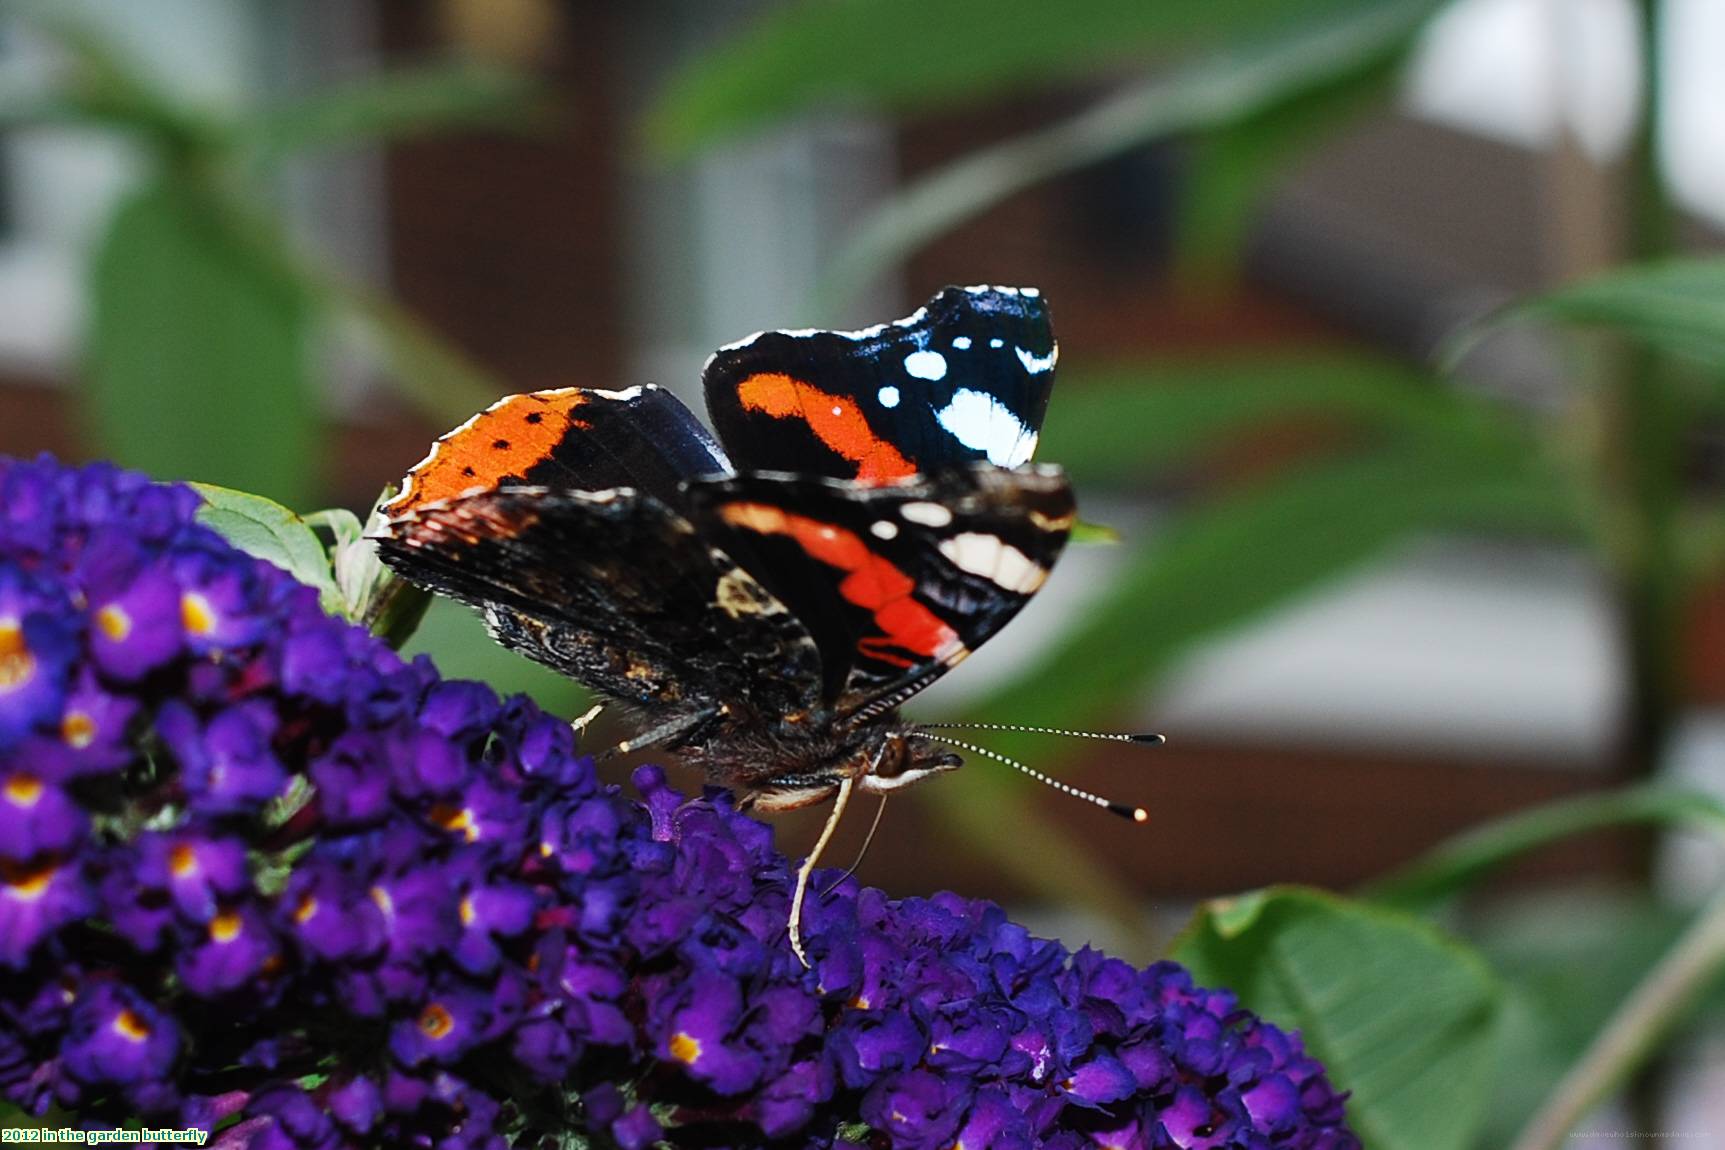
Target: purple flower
(39,817)
(36,650)
(135,627)
(36,900)
(227,765)
(333,900)
(117,1038)
(916,1109)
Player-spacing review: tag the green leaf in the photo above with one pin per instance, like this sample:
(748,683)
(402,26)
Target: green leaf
(197,356)
(1675,305)
(1466,859)
(394,107)
(1400,1014)
(1085,532)
(266,530)
(1254,78)
(371,594)
(833,52)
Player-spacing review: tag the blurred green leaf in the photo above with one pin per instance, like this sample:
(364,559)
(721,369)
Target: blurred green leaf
(454,637)
(1231,167)
(1462,861)
(198,351)
(1400,1014)
(1126,422)
(1085,532)
(102,86)
(1251,79)
(1676,305)
(392,107)
(834,52)
(1567,959)
(266,530)
(1226,563)
(432,373)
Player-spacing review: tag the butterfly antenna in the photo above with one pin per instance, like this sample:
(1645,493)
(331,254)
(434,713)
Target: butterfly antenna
(862,854)
(1148,740)
(1136,814)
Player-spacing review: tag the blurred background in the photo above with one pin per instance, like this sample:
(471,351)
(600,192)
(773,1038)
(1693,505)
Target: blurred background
(1398,554)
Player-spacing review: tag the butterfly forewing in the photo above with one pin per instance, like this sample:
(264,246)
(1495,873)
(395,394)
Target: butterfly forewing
(964,379)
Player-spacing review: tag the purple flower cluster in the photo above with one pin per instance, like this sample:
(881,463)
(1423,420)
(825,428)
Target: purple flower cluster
(260,875)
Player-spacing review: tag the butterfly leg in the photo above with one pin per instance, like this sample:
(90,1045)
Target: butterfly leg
(665,732)
(580,722)
(808,868)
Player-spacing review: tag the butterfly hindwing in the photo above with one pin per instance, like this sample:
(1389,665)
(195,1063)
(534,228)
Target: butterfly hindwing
(614,589)
(896,583)
(966,378)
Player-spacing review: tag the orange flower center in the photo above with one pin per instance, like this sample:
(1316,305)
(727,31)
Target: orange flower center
(685,1048)
(183,861)
(129,1026)
(78,729)
(22,789)
(436,1021)
(16,662)
(114,622)
(456,819)
(196,614)
(25,881)
(226,927)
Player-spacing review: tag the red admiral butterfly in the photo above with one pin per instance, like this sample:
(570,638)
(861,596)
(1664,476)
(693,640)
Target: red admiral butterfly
(870,518)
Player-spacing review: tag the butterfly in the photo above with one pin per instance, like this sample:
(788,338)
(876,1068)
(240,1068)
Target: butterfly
(764,599)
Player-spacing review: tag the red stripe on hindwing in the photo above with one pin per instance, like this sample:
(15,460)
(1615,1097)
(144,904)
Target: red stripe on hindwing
(872,582)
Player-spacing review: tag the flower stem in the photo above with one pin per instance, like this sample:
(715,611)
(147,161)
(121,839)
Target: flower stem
(1643,1020)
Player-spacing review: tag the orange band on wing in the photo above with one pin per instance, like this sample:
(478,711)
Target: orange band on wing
(872,582)
(834,419)
(505,439)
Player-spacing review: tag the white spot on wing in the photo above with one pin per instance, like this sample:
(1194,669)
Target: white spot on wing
(925,513)
(1037,364)
(1022,450)
(995,560)
(627,394)
(888,396)
(929,365)
(997,342)
(982,423)
(883,529)
(961,342)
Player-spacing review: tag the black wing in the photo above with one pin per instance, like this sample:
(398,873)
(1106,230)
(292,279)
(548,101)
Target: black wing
(896,583)
(964,379)
(615,590)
